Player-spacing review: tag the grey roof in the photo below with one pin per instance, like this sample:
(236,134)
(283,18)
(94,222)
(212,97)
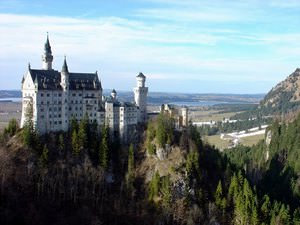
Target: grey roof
(47,46)
(128,104)
(50,80)
(141,75)
(113,91)
(46,79)
(65,67)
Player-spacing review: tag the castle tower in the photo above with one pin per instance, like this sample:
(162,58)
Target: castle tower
(140,97)
(113,95)
(47,57)
(64,81)
(184,114)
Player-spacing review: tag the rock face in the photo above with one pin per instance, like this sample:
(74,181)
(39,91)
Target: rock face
(284,97)
(162,153)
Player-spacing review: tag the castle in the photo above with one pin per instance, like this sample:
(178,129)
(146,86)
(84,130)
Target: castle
(57,97)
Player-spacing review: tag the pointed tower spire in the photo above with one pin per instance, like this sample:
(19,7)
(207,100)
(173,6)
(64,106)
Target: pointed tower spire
(47,57)
(64,68)
(47,46)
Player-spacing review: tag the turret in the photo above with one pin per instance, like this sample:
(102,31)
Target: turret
(140,97)
(184,114)
(65,76)
(140,80)
(47,57)
(113,95)
(64,82)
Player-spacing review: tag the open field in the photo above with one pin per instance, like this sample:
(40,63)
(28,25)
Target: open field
(208,115)
(8,111)
(217,141)
(252,140)
(222,144)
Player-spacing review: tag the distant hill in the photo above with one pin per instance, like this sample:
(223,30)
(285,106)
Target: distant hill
(10,94)
(284,97)
(157,98)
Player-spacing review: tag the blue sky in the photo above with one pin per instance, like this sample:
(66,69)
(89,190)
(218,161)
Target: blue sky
(212,46)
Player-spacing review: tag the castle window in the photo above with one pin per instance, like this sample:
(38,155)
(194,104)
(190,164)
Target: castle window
(50,117)
(59,95)
(50,122)
(49,109)
(59,122)
(59,115)
(73,94)
(55,122)
(42,110)
(79,94)
(42,102)
(48,95)
(80,108)
(70,108)
(42,95)
(48,102)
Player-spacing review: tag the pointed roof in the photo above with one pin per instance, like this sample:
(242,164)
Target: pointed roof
(47,46)
(113,91)
(141,75)
(64,68)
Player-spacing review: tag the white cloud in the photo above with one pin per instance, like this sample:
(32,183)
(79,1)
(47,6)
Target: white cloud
(123,47)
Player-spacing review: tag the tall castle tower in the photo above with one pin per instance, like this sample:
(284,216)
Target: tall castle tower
(64,82)
(47,57)
(184,114)
(140,97)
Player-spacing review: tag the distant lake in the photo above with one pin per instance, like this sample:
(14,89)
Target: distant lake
(200,103)
(10,99)
(203,103)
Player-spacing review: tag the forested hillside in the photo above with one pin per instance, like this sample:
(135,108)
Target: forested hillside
(167,177)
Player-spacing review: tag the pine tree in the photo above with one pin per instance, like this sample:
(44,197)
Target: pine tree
(130,172)
(83,132)
(166,191)
(12,127)
(154,186)
(29,135)
(44,156)
(73,125)
(131,159)
(75,145)
(104,148)
(61,142)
